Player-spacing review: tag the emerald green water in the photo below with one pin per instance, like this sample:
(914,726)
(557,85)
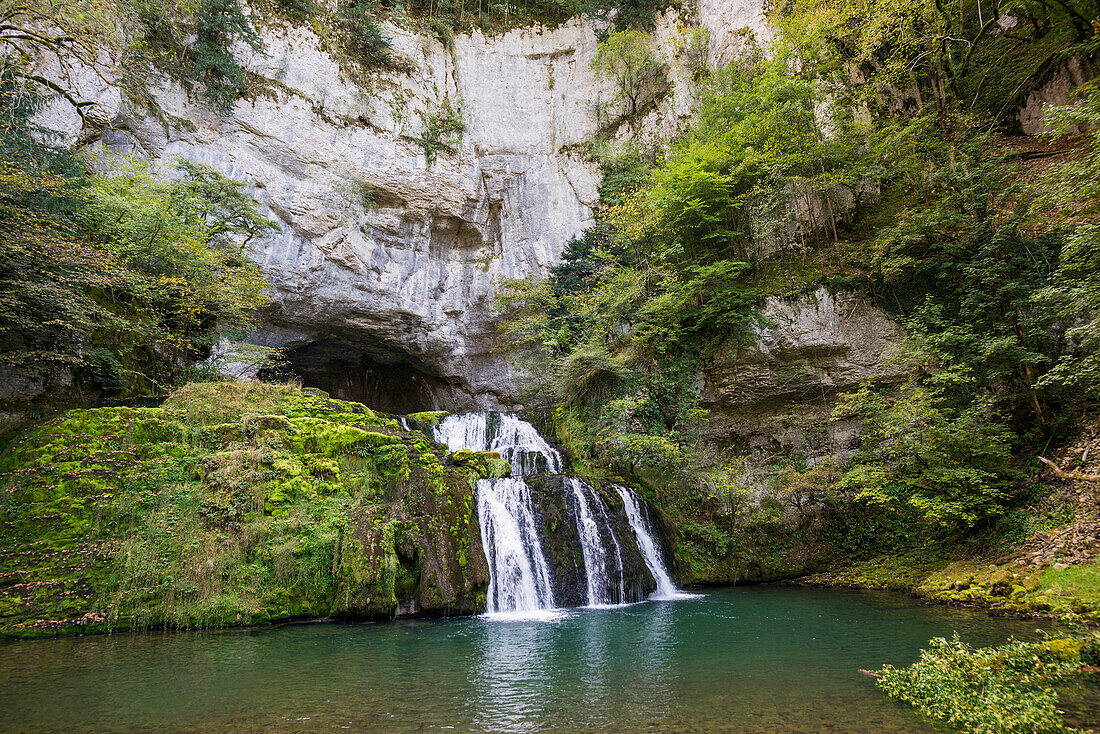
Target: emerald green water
(753,660)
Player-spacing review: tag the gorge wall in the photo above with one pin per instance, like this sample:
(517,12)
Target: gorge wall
(384,270)
(388,301)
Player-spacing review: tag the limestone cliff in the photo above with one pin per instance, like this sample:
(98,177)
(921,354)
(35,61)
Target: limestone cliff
(385,298)
(776,395)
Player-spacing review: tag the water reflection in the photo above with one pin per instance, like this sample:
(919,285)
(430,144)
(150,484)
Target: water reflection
(745,660)
(515,663)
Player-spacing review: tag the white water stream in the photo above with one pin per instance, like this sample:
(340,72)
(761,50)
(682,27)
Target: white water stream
(651,551)
(521,583)
(592,525)
(519,577)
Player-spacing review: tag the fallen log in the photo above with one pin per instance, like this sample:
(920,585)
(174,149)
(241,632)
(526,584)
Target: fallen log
(1063,474)
(870,673)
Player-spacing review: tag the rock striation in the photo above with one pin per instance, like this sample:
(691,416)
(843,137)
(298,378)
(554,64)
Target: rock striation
(385,266)
(776,394)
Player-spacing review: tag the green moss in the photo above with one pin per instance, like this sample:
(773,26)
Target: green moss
(231,504)
(487,464)
(431,417)
(1075,586)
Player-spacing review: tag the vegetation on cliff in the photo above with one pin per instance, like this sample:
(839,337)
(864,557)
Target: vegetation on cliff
(868,147)
(124,277)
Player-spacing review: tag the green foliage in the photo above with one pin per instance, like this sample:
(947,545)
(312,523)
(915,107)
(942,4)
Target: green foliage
(184,280)
(622,175)
(233,503)
(808,155)
(445,17)
(299,10)
(124,275)
(444,123)
(360,34)
(989,690)
(50,272)
(1069,206)
(950,58)
(628,59)
(62,32)
(952,466)
(221,23)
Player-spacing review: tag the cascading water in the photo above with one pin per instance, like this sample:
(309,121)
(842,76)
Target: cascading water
(592,526)
(513,438)
(651,551)
(521,579)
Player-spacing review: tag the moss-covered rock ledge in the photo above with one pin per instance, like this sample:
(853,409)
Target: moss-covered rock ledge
(233,504)
(1007,589)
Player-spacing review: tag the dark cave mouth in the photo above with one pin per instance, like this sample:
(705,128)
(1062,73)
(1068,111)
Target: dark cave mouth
(386,379)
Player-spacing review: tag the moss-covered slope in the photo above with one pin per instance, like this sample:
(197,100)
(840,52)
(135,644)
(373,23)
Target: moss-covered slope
(233,503)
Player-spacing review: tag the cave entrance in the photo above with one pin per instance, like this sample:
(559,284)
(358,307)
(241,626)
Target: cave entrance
(382,378)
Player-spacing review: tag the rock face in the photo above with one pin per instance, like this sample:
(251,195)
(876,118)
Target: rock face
(383,273)
(776,395)
(385,296)
(556,512)
(384,270)
(1056,91)
(730,23)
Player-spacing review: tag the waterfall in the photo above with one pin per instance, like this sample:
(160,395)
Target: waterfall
(592,525)
(651,551)
(513,438)
(513,532)
(519,577)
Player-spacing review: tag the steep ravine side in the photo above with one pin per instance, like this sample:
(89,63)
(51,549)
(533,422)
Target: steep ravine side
(385,266)
(775,396)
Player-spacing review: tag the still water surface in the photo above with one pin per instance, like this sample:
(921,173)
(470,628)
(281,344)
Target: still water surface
(747,660)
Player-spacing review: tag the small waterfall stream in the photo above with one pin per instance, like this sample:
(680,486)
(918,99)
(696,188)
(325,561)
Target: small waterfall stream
(651,551)
(592,526)
(513,438)
(521,578)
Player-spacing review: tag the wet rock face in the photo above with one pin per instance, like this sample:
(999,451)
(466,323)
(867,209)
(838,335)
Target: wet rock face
(777,394)
(554,507)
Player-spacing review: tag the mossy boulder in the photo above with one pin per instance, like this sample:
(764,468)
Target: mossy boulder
(232,503)
(428,418)
(487,464)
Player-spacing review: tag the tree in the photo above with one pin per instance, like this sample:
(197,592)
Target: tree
(983,56)
(186,279)
(220,24)
(1068,205)
(68,33)
(627,58)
